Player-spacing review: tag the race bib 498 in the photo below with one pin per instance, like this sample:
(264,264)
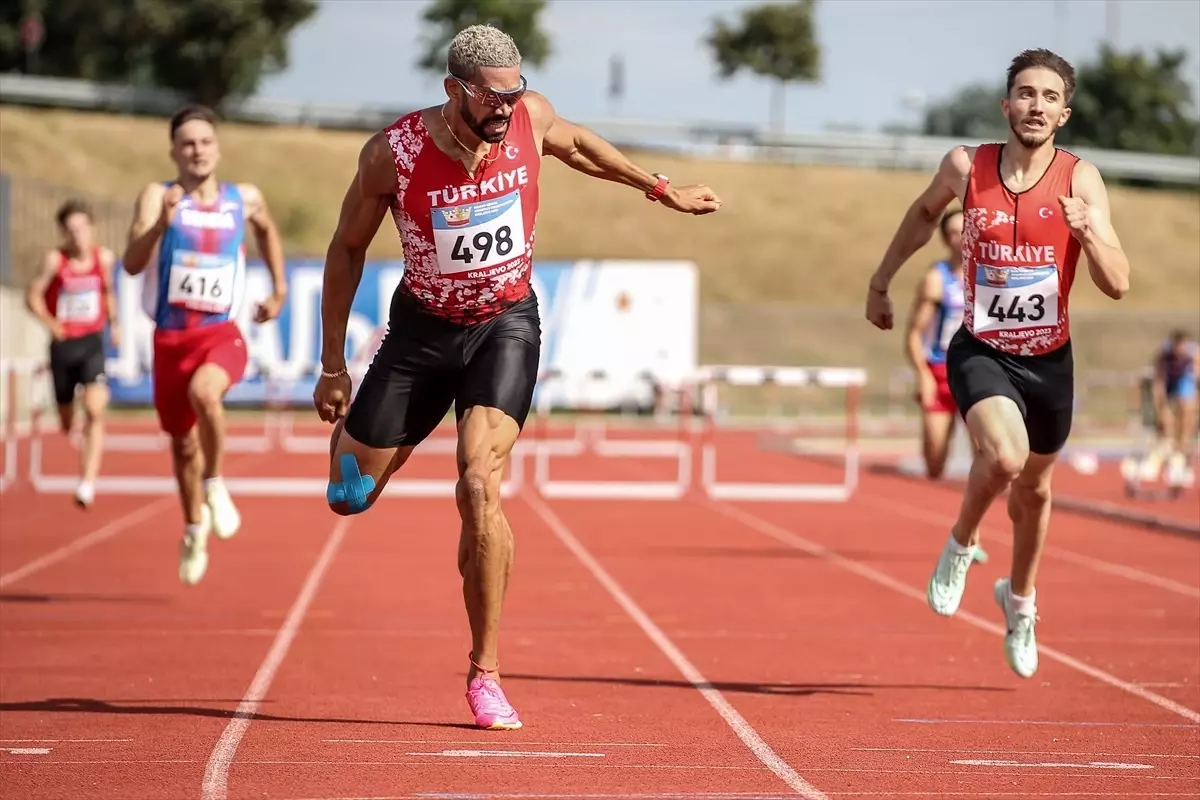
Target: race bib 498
(478,236)
(201,282)
(1015,299)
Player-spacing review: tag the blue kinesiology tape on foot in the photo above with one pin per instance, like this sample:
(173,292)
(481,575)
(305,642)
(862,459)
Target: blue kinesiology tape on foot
(353,489)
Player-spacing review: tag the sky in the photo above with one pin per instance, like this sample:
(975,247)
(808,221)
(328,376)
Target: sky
(880,58)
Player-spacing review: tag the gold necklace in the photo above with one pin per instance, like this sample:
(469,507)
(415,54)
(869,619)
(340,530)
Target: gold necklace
(482,159)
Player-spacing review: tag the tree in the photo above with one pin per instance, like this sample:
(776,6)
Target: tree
(518,18)
(1122,102)
(972,112)
(208,49)
(773,40)
(1129,101)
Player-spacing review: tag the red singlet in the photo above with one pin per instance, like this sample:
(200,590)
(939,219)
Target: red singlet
(76,299)
(468,242)
(1020,257)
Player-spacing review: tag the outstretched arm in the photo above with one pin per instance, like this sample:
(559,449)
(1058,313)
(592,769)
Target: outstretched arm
(1092,226)
(363,207)
(921,219)
(585,151)
(916,229)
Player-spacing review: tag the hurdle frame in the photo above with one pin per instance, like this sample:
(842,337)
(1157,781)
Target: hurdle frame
(710,377)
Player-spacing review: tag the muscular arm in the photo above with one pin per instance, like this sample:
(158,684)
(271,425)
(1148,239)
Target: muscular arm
(921,219)
(1107,262)
(583,150)
(107,262)
(147,228)
(363,207)
(924,303)
(35,299)
(266,234)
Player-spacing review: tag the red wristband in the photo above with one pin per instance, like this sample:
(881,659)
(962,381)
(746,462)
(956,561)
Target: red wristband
(659,189)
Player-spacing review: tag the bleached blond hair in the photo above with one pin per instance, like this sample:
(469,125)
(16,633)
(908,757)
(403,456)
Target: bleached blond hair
(481,46)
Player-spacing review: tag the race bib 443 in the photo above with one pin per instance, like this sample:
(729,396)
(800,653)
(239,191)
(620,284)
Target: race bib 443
(1015,299)
(201,282)
(478,236)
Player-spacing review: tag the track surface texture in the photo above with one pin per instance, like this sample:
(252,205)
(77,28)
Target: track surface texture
(689,649)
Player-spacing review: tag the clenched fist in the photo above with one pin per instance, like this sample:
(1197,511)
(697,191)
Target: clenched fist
(170,202)
(1077,214)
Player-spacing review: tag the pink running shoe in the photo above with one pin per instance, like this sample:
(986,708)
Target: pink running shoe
(491,708)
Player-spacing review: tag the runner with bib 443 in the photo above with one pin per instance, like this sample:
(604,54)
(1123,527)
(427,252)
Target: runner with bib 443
(1030,210)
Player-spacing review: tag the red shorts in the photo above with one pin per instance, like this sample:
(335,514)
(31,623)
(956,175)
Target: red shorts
(177,356)
(943,400)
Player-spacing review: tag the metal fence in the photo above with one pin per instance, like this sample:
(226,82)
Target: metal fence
(28,227)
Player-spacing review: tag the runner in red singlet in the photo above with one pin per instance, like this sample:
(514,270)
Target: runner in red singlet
(1030,211)
(72,295)
(461,182)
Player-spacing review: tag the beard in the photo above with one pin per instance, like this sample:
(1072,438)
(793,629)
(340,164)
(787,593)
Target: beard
(491,129)
(1031,139)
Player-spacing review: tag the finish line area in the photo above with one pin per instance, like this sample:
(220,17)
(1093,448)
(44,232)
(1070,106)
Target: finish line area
(705,606)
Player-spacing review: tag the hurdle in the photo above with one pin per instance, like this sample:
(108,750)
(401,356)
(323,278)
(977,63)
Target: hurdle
(710,378)
(16,417)
(544,447)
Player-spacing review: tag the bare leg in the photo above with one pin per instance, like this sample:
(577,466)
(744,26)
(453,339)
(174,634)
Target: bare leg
(1029,509)
(378,462)
(485,555)
(189,464)
(936,427)
(1001,448)
(95,405)
(206,393)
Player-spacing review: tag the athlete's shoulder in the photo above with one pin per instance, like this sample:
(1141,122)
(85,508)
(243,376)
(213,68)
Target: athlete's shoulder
(378,157)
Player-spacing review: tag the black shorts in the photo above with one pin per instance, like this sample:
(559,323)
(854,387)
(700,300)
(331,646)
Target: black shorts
(1042,386)
(425,364)
(76,362)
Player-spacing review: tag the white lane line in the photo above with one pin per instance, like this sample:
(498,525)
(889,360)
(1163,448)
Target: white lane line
(216,772)
(812,548)
(97,536)
(761,750)
(1090,562)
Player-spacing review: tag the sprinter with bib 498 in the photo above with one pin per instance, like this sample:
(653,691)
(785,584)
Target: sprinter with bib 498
(1029,210)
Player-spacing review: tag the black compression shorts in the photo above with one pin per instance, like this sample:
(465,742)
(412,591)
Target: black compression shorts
(1042,386)
(76,362)
(425,364)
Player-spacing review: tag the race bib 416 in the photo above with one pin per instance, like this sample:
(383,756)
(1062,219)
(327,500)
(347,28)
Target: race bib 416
(201,282)
(478,236)
(1015,299)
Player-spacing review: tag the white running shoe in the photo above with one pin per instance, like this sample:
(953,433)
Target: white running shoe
(225,517)
(193,550)
(1020,645)
(85,494)
(949,579)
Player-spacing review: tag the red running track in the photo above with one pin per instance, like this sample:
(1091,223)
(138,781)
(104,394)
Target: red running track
(655,649)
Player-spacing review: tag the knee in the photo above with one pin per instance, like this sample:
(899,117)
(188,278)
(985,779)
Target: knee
(185,447)
(354,493)
(1005,462)
(475,492)
(205,399)
(1030,497)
